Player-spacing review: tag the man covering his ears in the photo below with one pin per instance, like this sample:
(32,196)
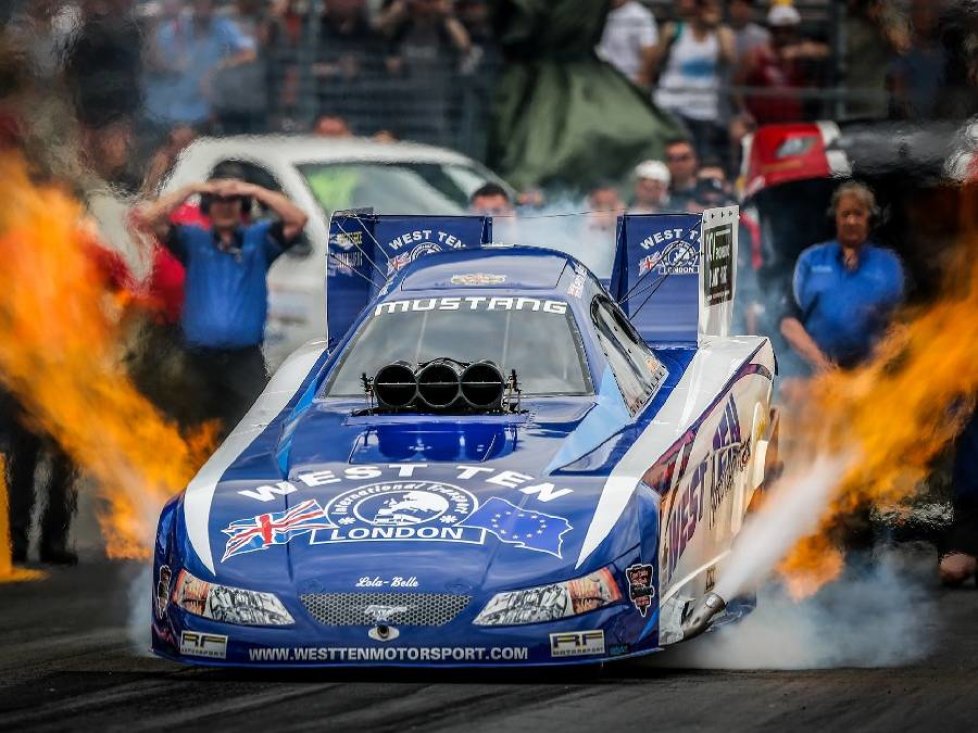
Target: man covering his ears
(226,304)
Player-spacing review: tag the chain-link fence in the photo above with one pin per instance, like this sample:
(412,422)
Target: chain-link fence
(446,102)
(446,99)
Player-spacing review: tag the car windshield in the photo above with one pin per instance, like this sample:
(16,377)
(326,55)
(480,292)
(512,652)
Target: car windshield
(394,188)
(536,338)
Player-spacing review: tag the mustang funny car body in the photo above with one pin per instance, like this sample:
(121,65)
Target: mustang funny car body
(493,463)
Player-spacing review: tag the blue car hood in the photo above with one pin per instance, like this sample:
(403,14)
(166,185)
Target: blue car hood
(440,504)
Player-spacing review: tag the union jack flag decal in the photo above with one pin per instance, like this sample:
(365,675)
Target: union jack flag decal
(273,528)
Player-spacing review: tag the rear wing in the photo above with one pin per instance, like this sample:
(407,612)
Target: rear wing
(365,250)
(675,274)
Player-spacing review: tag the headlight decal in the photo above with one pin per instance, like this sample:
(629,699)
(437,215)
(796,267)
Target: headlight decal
(551,602)
(229,605)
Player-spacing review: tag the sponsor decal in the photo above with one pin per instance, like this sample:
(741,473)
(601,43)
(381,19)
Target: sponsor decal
(713,476)
(272,528)
(476,279)
(348,240)
(384,614)
(400,510)
(428,511)
(577,643)
(684,517)
(448,654)
(396,582)
(718,282)
(472,303)
(524,528)
(745,454)
(669,235)
(680,259)
(398,262)
(346,262)
(576,288)
(413,245)
(727,459)
(640,587)
(436,511)
(163,590)
(618,650)
(197,644)
(542,491)
(425,236)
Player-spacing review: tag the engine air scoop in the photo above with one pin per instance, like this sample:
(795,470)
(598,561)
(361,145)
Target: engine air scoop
(443,386)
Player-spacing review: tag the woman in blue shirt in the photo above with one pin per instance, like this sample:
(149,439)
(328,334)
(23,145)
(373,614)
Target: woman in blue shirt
(844,290)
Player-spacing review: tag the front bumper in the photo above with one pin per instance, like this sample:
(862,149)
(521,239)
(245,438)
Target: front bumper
(594,637)
(597,636)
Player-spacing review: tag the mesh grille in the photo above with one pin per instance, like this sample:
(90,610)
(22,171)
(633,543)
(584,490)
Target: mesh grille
(397,609)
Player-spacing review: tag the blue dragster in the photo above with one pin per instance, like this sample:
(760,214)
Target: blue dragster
(496,459)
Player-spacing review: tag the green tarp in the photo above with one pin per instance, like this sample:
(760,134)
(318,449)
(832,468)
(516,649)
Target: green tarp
(561,117)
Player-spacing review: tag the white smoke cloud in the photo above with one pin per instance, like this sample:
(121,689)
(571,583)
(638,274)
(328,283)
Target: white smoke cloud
(791,510)
(872,616)
(141,593)
(563,225)
(880,614)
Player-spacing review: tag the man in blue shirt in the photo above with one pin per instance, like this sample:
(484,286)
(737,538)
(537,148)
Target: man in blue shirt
(226,298)
(844,290)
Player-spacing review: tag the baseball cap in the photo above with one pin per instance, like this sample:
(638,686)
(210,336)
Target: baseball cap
(653,169)
(782,15)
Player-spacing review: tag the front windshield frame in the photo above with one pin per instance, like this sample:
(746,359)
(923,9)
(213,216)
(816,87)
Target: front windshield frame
(577,333)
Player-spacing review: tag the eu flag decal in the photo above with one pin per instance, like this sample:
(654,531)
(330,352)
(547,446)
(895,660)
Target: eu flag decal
(521,527)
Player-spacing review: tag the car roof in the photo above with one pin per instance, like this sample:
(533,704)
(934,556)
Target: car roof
(297,149)
(510,268)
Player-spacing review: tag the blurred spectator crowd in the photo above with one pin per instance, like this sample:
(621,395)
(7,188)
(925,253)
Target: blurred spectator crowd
(424,69)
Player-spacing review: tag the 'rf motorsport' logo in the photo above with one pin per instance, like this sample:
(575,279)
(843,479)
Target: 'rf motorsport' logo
(197,644)
(577,643)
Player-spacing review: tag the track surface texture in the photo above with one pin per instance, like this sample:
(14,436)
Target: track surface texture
(68,661)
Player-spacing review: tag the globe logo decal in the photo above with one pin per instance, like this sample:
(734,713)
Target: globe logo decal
(402,509)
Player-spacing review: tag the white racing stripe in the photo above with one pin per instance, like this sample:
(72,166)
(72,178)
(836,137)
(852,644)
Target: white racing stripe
(200,492)
(711,368)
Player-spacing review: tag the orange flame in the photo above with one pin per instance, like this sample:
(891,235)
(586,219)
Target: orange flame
(60,353)
(895,414)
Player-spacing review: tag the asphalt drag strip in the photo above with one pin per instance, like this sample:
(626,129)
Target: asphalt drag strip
(68,662)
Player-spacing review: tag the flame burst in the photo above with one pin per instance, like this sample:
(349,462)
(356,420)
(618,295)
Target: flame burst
(894,415)
(60,354)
